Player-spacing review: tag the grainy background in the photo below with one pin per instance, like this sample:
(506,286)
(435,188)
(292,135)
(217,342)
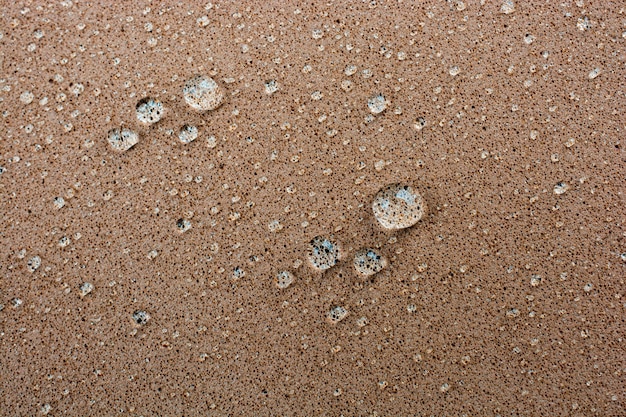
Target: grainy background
(506,299)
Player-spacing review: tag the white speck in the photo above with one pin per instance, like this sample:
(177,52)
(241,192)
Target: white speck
(454,71)
(528,39)
(508,7)
(27,97)
(583,24)
(271,87)
(588,287)
(33,263)
(203,21)
(317,95)
(85,288)
(594,73)
(317,34)
(560,188)
(59,202)
(350,70)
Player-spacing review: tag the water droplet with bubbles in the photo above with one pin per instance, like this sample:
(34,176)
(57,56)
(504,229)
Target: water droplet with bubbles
(122,139)
(369,261)
(284,279)
(188,133)
(398,206)
(336,314)
(203,93)
(377,104)
(323,253)
(149,110)
(140,317)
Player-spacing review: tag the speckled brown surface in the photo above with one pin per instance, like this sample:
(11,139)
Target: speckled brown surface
(507,298)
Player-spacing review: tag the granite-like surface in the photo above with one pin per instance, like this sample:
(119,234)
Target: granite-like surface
(143,282)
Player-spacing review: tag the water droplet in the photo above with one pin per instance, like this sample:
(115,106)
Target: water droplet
(122,139)
(336,314)
(203,93)
(508,7)
(368,261)
(323,253)
(284,279)
(140,317)
(560,188)
(377,104)
(188,133)
(85,288)
(149,110)
(27,97)
(271,87)
(398,206)
(33,263)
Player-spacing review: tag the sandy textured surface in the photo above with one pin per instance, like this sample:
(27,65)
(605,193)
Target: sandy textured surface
(506,298)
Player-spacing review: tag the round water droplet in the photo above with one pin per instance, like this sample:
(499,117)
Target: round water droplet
(123,139)
(560,188)
(369,261)
(398,206)
(284,279)
(33,263)
(336,314)
(183,225)
(85,288)
(149,110)
(140,317)
(377,104)
(203,93)
(188,133)
(323,253)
